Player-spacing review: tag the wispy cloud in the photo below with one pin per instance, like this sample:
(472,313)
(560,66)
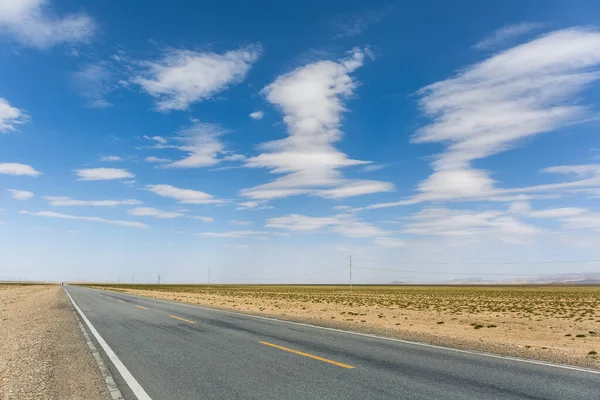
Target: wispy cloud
(469,223)
(570,217)
(201,218)
(154,212)
(492,106)
(102,174)
(51,214)
(240,223)
(350,25)
(20,194)
(183,77)
(311,99)
(18,169)
(202,143)
(257,115)
(61,201)
(111,158)
(157,160)
(31,24)
(158,139)
(10,116)
(253,205)
(232,234)
(504,34)
(185,196)
(345,224)
(93,82)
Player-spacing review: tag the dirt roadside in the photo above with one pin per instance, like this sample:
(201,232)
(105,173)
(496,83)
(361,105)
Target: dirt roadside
(42,351)
(549,339)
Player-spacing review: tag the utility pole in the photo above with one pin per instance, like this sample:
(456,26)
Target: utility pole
(208,278)
(133,279)
(350,265)
(159,279)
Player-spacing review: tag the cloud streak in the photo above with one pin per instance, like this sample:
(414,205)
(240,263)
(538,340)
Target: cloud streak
(102,174)
(52,214)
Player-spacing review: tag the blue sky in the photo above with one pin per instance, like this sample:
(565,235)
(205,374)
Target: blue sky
(267,141)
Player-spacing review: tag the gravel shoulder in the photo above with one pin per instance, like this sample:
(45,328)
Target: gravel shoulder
(546,339)
(42,352)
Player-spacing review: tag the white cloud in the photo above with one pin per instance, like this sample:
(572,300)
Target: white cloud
(100,174)
(201,218)
(584,170)
(20,194)
(110,158)
(257,115)
(240,223)
(468,223)
(10,116)
(232,234)
(351,25)
(570,217)
(32,25)
(389,242)
(345,224)
(93,82)
(183,77)
(60,201)
(154,212)
(504,34)
(158,139)
(311,99)
(491,106)
(253,205)
(51,214)
(296,222)
(185,196)
(18,169)
(356,188)
(202,143)
(157,160)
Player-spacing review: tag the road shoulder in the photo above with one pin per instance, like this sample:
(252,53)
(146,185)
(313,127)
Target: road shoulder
(45,355)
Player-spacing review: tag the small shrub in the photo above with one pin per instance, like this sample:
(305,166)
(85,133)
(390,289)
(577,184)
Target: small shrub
(440,322)
(492,326)
(592,353)
(568,334)
(580,335)
(478,326)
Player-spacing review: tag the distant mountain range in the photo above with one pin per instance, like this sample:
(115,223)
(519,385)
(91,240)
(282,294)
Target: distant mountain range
(577,278)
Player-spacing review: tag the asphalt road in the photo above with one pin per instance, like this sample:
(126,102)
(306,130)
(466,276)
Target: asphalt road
(175,351)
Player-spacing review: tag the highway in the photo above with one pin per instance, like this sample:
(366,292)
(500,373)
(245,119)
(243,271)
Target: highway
(176,351)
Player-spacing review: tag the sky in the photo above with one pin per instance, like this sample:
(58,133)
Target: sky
(268,141)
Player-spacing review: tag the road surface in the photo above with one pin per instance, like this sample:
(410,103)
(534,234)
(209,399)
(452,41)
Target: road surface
(175,351)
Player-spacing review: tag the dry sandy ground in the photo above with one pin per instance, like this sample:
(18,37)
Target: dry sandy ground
(515,333)
(42,351)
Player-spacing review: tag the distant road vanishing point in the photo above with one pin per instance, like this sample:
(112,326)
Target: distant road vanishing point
(157,349)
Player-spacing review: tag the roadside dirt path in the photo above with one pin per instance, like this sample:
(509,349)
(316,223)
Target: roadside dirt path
(42,352)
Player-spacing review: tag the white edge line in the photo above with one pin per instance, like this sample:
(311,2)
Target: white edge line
(113,390)
(136,388)
(477,353)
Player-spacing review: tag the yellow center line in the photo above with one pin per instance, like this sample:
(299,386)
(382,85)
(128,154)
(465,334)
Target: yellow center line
(121,301)
(143,308)
(339,364)
(182,319)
